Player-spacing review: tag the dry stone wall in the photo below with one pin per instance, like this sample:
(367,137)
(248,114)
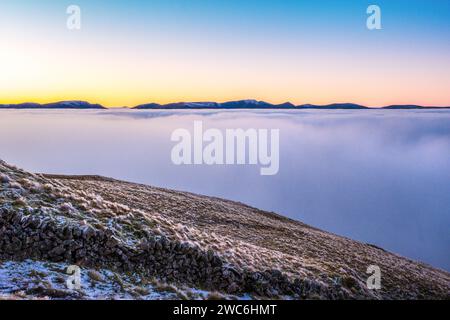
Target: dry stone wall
(36,236)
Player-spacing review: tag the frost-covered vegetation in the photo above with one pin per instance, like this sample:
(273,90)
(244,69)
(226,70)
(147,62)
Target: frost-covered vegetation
(46,280)
(157,239)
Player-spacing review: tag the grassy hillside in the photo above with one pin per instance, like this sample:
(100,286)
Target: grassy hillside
(197,245)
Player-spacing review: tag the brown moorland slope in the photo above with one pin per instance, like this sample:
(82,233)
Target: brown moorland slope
(187,239)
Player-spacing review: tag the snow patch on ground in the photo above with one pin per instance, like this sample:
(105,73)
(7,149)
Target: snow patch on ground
(46,280)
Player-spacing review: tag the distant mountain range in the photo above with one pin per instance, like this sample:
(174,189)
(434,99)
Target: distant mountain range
(240,104)
(254,104)
(54,105)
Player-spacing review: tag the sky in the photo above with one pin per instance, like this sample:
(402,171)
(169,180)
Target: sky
(132,52)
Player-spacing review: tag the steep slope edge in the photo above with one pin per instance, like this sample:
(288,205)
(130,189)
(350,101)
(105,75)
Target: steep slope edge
(202,242)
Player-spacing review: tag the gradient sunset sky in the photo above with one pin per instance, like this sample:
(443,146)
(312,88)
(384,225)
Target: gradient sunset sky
(133,52)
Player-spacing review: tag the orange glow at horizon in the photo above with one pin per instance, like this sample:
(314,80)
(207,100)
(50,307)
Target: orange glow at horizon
(41,67)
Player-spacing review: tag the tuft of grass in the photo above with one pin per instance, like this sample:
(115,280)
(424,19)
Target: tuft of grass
(215,296)
(95,276)
(142,291)
(20,202)
(4,178)
(349,282)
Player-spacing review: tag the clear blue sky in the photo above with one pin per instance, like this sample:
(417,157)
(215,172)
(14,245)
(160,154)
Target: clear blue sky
(130,52)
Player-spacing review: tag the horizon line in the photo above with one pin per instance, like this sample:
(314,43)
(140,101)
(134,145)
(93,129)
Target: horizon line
(217,105)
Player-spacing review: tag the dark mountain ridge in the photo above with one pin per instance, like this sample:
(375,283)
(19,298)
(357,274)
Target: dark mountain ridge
(239,104)
(53,105)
